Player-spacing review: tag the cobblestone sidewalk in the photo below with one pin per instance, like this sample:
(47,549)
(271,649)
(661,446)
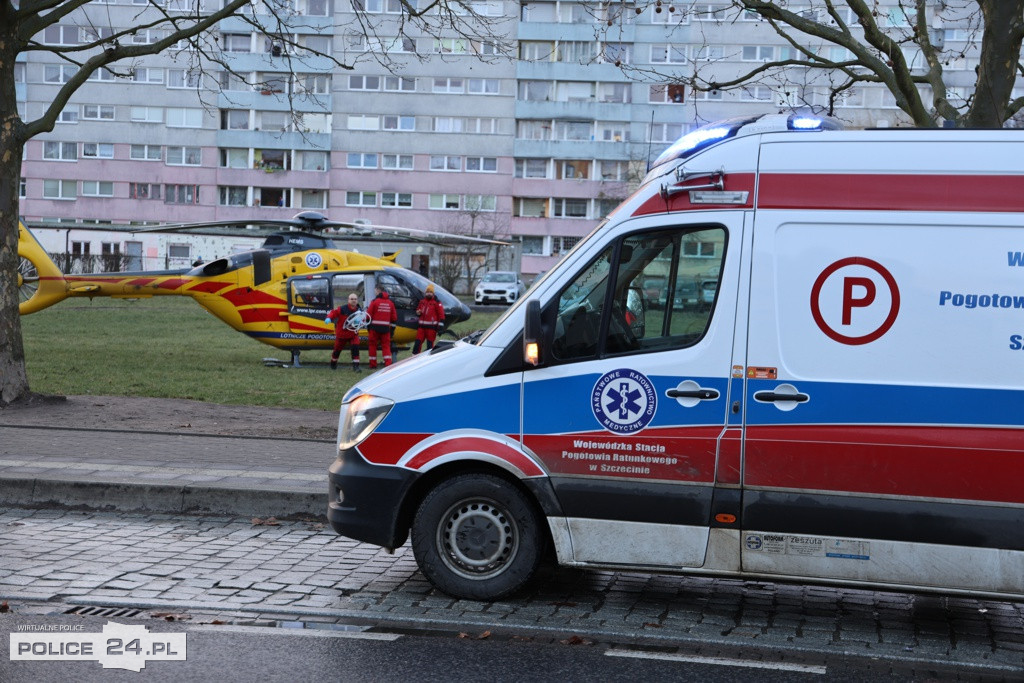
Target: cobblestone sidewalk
(248,568)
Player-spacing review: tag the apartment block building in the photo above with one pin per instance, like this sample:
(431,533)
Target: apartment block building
(535,135)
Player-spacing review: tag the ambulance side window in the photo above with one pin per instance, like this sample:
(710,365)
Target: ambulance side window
(650,291)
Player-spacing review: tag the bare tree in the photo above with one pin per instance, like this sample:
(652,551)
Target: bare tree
(835,46)
(465,260)
(84,43)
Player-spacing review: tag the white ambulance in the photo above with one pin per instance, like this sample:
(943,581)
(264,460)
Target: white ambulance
(843,402)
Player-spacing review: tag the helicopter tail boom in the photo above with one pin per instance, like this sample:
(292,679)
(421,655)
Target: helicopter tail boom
(40,282)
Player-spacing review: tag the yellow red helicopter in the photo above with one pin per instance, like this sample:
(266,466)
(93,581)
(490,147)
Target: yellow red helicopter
(278,294)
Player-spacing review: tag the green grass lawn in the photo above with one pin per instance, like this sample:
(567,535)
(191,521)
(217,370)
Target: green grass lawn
(169,347)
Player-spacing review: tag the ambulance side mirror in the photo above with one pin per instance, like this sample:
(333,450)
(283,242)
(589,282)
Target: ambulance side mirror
(532,333)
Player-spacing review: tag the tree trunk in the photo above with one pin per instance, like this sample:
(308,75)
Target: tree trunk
(1001,43)
(13,378)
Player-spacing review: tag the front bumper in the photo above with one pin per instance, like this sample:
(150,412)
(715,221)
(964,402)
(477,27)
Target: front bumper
(365,501)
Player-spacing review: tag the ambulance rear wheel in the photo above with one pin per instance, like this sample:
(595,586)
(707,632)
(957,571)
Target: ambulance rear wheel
(477,537)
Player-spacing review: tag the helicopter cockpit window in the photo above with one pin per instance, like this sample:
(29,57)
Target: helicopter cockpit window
(346,283)
(311,294)
(400,293)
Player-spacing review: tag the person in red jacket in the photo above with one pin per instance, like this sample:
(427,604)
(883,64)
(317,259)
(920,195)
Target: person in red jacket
(345,333)
(383,316)
(431,314)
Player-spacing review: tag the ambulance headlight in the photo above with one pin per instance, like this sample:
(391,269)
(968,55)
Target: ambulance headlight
(362,415)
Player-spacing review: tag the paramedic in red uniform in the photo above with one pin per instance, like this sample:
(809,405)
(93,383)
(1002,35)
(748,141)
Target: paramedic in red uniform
(431,314)
(383,316)
(343,336)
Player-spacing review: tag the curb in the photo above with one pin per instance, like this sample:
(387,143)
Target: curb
(162,498)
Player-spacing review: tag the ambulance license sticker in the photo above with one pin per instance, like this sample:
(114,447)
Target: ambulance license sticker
(624,401)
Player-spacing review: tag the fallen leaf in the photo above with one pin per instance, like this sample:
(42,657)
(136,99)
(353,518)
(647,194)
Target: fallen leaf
(484,636)
(218,622)
(464,635)
(269,521)
(652,624)
(171,616)
(575,640)
(4,607)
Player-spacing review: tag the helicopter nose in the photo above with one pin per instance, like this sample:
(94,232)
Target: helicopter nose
(460,313)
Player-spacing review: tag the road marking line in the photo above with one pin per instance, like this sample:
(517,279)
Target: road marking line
(721,661)
(311,632)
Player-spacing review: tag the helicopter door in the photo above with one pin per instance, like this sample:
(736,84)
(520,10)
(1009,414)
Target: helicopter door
(346,283)
(308,298)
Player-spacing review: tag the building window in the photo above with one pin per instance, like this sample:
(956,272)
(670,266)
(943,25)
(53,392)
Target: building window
(359,160)
(404,123)
(446,124)
(233,195)
(441,162)
(23,188)
(312,161)
(271,160)
(364,82)
(529,207)
(619,93)
(667,53)
(97,188)
(397,162)
(144,190)
(142,74)
(533,245)
(615,170)
(313,199)
(450,46)
(569,208)
(178,117)
(483,86)
(236,42)
(234,119)
(148,114)
(102,74)
(98,112)
(360,199)
(181,194)
(60,189)
(758,53)
(480,202)
(58,73)
(69,115)
(485,126)
(444,201)
(399,84)
(184,156)
(666,132)
(60,34)
(572,170)
(573,130)
(531,168)
(179,252)
(449,85)
(145,152)
(482,164)
(396,200)
(363,122)
(666,93)
(110,256)
(182,78)
(60,151)
(234,157)
(708,53)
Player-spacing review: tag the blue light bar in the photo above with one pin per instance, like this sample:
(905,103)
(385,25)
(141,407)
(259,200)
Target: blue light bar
(702,137)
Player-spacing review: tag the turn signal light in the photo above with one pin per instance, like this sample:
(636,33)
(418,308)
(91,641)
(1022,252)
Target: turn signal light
(725,518)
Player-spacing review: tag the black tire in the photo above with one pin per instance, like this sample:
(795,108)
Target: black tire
(478,537)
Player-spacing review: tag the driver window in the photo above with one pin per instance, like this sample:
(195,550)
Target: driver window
(658,294)
(580,306)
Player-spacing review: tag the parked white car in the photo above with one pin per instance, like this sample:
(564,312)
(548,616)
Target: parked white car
(499,286)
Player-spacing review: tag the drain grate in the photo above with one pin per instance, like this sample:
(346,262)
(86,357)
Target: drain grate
(88,611)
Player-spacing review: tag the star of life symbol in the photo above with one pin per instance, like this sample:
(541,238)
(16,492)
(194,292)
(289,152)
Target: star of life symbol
(624,401)
(313,259)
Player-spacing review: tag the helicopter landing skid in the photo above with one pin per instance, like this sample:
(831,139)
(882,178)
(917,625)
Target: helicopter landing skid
(278,363)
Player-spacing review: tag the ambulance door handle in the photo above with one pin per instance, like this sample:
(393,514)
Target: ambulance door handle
(772,396)
(702,394)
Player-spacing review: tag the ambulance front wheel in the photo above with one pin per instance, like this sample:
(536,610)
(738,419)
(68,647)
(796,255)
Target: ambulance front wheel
(478,537)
